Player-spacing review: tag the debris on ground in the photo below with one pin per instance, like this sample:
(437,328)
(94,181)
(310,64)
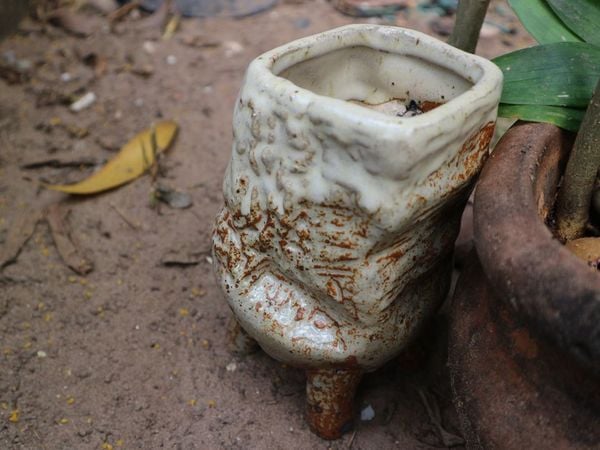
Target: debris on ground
(174,198)
(433,410)
(85,101)
(183,257)
(18,234)
(73,22)
(56,216)
(134,159)
(214,8)
(367,413)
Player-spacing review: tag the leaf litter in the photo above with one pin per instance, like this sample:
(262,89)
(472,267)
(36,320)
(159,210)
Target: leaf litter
(134,159)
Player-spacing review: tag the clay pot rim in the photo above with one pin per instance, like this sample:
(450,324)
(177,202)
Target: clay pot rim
(485,76)
(547,284)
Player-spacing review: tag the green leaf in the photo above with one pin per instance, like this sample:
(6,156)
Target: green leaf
(541,22)
(567,118)
(559,74)
(581,16)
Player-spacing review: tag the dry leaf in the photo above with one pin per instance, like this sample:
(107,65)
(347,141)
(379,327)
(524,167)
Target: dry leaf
(137,156)
(72,22)
(18,235)
(70,254)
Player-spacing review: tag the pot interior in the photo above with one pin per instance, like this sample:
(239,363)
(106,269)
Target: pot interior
(372,76)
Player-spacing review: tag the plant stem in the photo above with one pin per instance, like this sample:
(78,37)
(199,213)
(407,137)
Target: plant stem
(575,195)
(469,18)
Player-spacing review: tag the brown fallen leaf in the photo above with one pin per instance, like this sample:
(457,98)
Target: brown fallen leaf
(70,254)
(120,13)
(157,19)
(71,21)
(104,6)
(137,156)
(18,235)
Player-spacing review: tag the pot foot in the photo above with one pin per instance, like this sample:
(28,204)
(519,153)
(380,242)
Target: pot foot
(330,400)
(238,341)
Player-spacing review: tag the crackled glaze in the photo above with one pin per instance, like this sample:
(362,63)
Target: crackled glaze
(335,242)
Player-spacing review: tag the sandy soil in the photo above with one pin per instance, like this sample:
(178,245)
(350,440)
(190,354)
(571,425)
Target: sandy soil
(132,354)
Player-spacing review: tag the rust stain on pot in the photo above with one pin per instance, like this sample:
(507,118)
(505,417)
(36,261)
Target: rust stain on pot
(330,395)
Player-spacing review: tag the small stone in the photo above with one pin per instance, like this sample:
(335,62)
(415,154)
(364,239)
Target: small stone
(171,60)
(149,47)
(232,48)
(83,102)
(231,367)
(41,354)
(367,413)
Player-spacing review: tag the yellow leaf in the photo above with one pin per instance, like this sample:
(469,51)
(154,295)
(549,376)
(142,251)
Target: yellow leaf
(14,416)
(137,156)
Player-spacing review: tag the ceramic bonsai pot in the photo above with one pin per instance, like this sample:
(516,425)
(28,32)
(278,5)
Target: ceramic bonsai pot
(525,332)
(335,242)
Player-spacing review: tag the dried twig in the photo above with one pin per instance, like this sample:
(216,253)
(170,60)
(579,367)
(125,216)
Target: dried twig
(70,254)
(124,217)
(123,11)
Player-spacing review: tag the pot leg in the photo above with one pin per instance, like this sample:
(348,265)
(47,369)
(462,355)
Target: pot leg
(330,400)
(238,340)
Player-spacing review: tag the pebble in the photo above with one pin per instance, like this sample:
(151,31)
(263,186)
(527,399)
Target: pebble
(232,48)
(41,354)
(171,60)
(231,367)
(149,47)
(367,413)
(83,102)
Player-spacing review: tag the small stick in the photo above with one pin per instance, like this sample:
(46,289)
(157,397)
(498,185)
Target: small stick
(124,217)
(118,14)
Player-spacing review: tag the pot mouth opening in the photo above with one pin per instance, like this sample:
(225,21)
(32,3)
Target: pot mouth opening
(393,83)
(373,65)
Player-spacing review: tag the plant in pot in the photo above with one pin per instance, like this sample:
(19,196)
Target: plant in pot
(354,152)
(524,347)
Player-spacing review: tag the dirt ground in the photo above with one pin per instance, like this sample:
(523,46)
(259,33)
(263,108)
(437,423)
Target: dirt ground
(132,354)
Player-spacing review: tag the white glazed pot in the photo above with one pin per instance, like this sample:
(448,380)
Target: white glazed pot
(335,243)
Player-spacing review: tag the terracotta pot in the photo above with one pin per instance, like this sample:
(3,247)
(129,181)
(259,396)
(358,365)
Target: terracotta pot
(524,341)
(335,242)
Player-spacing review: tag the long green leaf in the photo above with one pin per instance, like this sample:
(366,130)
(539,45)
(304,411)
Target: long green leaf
(581,16)
(567,118)
(559,74)
(541,22)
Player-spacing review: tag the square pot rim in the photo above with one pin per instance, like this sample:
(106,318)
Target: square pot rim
(484,94)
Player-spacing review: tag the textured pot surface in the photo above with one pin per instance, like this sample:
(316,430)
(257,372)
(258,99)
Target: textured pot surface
(513,390)
(336,237)
(543,281)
